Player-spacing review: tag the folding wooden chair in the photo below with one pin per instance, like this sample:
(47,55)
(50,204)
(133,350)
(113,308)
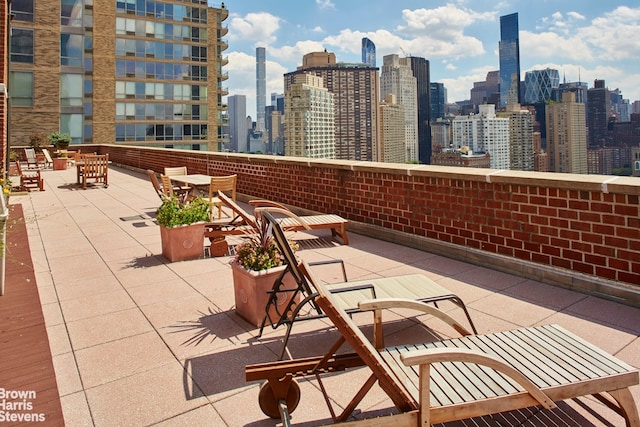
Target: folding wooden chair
(30,178)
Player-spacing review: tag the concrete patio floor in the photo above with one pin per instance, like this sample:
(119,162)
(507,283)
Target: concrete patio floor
(139,341)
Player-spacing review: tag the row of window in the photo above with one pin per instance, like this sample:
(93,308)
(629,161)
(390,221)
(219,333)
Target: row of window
(160,70)
(159,91)
(140,111)
(159,9)
(73,89)
(160,30)
(72,47)
(160,50)
(149,132)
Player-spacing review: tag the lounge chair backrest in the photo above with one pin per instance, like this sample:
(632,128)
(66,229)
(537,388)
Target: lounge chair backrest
(246,216)
(387,379)
(286,251)
(47,157)
(223,184)
(177,170)
(30,155)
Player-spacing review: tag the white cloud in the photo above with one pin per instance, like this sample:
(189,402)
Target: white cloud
(293,54)
(258,27)
(445,22)
(325,4)
(549,45)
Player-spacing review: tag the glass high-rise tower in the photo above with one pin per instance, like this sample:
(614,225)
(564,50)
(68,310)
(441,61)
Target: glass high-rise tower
(261,87)
(368,52)
(421,72)
(509,52)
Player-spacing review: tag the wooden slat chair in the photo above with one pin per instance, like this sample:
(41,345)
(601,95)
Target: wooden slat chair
(470,376)
(221,184)
(30,178)
(184,192)
(30,155)
(414,287)
(95,167)
(48,161)
(156,185)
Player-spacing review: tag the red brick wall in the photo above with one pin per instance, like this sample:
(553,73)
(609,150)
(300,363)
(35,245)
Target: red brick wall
(584,223)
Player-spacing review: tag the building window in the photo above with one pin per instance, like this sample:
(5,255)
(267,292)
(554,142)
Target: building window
(71,87)
(22,45)
(71,47)
(72,124)
(23,10)
(21,87)
(71,13)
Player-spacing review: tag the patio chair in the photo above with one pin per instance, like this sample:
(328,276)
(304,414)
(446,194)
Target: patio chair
(220,184)
(181,191)
(168,190)
(453,379)
(30,178)
(242,221)
(412,287)
(177,170)
(30,155)
(48,161)
(156,185)
(95,167)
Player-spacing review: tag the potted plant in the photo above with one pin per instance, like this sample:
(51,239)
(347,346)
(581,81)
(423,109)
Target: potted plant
(60,141)
(182,228)
(255,267)
(59,160)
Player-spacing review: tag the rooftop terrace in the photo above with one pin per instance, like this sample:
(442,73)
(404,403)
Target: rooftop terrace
(139,341)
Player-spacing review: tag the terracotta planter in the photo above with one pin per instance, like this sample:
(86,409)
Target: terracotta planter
(250,290)
(59,163)
(183,242)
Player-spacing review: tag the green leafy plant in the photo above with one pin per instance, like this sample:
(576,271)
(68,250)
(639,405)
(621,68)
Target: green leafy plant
(172,212)
(59,140)
(259,251)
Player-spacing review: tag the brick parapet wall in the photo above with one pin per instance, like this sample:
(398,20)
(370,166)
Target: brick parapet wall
(587,224)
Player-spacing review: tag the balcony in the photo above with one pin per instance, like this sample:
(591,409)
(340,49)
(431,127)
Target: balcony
(136,340)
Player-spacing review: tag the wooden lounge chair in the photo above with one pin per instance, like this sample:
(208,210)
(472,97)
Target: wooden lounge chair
(453,379)
(242,221)
(95,167)
(30,155)
(48,161)
(302,306)
(30,178)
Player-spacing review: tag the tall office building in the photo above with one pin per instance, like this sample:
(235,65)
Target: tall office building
(396,78)
(309,118)
(567,136)
(392,131)
(509,55)
(438,101)
(487,91)
(356,96)
(238,128)
(521,150)
(598,113)
(421,72)
(484,133)
(368,52)
(261,88)
(137,73)
(539,85)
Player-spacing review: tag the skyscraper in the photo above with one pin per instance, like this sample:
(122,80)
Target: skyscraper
(539,85)
(420,69)
(567,136)
(520,137)
(368,52)
(509,53)
(392,131)
(396,78)
(309,118)
(138,73)
(238,129)
(261,87)
(598,113)
(438,101)
(355,87)
(484,133)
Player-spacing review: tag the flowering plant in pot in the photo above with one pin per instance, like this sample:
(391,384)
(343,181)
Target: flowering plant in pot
(256,266)
(182,228)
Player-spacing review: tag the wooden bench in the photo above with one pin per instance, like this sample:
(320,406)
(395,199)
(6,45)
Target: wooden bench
(94,167)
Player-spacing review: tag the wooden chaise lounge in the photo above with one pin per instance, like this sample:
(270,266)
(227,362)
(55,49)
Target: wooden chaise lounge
(242,222)
(453,379)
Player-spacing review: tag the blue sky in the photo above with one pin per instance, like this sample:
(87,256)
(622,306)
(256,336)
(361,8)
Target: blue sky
(593,39)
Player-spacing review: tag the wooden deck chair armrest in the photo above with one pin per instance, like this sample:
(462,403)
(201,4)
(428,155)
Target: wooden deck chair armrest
(379,304)
(435,355)
(258,203)
(286,212)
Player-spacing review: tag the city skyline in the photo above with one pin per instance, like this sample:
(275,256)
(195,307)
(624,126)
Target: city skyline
(586,41)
